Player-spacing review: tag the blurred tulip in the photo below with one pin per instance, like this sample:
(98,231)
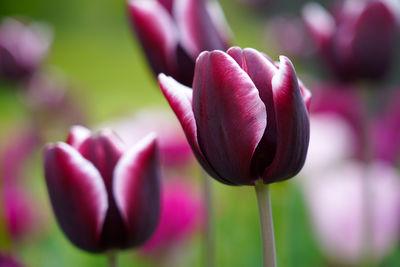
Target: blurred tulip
(345,102)
(18,205)
(22,48)
(225,116)
(338,204)
(103,198)
(358,40)
(173,33)
(288,35)
(8,261)
(174,149)
(53,106)
(386,128)
(19,212)
(182,212)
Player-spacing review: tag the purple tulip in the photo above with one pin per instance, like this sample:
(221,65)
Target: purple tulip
(22,48)
(104,198)
(358,40)
(246,118)
(173,33)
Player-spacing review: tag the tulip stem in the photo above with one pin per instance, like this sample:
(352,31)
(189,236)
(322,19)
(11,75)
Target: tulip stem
(209,223)
(267,226)
(112,259)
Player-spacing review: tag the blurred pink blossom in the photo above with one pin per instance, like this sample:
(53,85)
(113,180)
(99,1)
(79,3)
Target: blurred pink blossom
(182,212)
(336,203)
(22,48)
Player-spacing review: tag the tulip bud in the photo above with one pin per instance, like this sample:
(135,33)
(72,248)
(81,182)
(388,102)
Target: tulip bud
(246,118)
(22,48)
(357,41)
(173,33)
(104,198)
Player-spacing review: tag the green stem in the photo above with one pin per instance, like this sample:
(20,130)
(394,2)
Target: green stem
(112,259)
(209,224)
(267,227)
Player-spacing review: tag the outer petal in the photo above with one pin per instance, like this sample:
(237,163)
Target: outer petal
(180,99)
(374,40)
(157,34)
(319,23)
(230,116)
(77,194)
(197,30)
(77,135)
(292,124)
(137,190)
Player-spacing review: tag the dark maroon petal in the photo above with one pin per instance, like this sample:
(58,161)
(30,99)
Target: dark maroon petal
(292,124)
(229,114)
(167,4)
(221,25)
(77,135)
(137,190)
(261,70)
(196,28)
(306,94)
(103,150)
(157,34)
(180,99)
(374,39)
(77,194)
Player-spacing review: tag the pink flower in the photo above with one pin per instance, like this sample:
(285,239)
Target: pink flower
(22,48)
(337,205)
(182,212)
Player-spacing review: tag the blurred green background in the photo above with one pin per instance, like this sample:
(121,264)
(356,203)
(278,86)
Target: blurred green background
(94,46)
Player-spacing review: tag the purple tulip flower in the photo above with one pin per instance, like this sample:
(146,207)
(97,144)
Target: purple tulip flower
(104,198)
(358,40)
(246,118)
(22,48)
(173,33)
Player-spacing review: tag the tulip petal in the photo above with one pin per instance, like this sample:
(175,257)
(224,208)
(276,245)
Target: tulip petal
(77,135)
(375,31)
(137,189)
(196,27)
(157,34)
(230,116)
(180,99)
(292,124)
(261,70)
(77,194)
(319,23)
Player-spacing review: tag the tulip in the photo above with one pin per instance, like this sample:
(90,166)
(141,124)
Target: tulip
(358,40)
(236,96)
(337,206)
(173,33)
(22,48)
(225,118)
(103,197)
